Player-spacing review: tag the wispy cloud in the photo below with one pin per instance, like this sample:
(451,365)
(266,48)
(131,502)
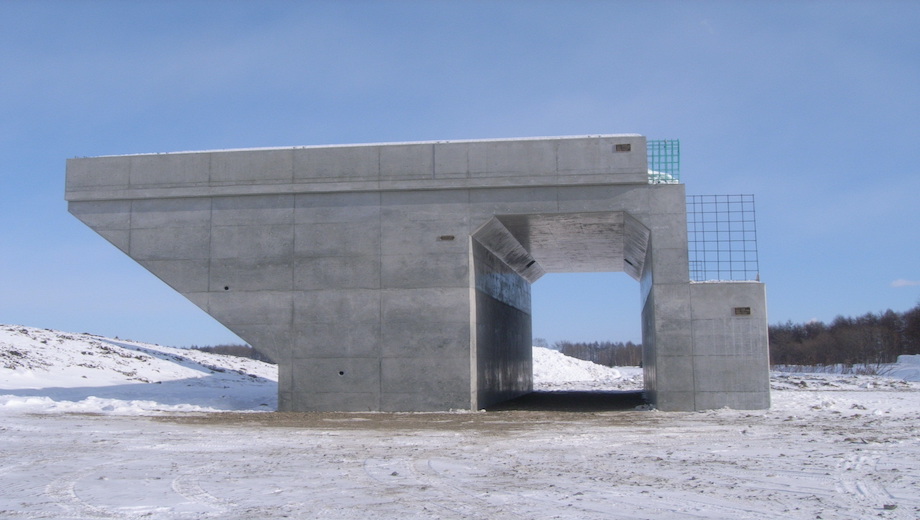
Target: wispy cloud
(901,282)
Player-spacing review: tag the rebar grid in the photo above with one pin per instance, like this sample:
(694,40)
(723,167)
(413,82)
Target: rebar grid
(663,161)
(722,238)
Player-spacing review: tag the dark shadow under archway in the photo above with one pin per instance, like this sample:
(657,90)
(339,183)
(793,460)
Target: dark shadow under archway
(572,401)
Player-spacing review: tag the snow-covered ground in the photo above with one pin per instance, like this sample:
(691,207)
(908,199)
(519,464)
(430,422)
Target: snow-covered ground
(93,427)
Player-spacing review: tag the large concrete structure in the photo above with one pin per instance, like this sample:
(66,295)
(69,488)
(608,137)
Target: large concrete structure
(397,277)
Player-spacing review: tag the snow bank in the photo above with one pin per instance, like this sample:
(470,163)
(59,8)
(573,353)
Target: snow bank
(92,404)
(47,371)
(553,370)
(51,371)
(553,366)
(907,368)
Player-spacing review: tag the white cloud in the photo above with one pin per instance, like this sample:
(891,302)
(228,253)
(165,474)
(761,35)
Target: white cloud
(901,282)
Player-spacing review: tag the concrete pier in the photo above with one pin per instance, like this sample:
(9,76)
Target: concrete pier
(396,277)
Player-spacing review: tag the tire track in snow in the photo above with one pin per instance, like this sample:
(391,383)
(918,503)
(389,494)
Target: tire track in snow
(855,483)
(429,488)
(63,492)
(189,487)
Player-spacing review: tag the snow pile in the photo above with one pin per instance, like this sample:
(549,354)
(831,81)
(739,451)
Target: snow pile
(47,370)
(552,366)
(907,368)
(553,370)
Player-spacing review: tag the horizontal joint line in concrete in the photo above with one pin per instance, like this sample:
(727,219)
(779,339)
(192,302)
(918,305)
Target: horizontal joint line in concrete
(296,189)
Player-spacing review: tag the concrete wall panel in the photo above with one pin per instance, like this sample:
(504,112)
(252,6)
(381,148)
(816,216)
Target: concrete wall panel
(337,305)
(351,163)
(269,241)
(484,204)
(671,265)
(251,210)
(262,166)
(405,338)
(98,173)
(504,364)
(730,344)
(331,272)
(421,402)
(170,243)
(315,208)
(667,401)
(170,169)
(182,275)
(619,197)
(307,399)
(338,375)
(160,213)
(400,237)
(250,274)
(105,214)
(593,155)
(243,308)
(410,161)
(438,304)
(111,219)
(531,158)
(759,400)
(337,239)
(317,340)
(451,160)
(403,376)
(430,270)
(273,340)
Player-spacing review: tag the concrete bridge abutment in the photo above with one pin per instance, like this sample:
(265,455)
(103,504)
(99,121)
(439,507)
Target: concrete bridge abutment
(396,277)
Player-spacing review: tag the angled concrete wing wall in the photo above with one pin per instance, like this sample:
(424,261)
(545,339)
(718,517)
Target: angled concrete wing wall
(397,276)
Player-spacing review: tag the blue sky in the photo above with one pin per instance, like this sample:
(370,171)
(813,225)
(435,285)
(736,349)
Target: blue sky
(814,107)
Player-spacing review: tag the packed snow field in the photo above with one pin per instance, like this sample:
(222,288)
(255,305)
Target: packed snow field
(101,428)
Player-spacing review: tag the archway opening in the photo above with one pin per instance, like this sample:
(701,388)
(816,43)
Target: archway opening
(587,337)
(584,268)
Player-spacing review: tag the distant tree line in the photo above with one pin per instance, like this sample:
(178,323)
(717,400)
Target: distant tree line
(870,339)
(607,353)
(235,350)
